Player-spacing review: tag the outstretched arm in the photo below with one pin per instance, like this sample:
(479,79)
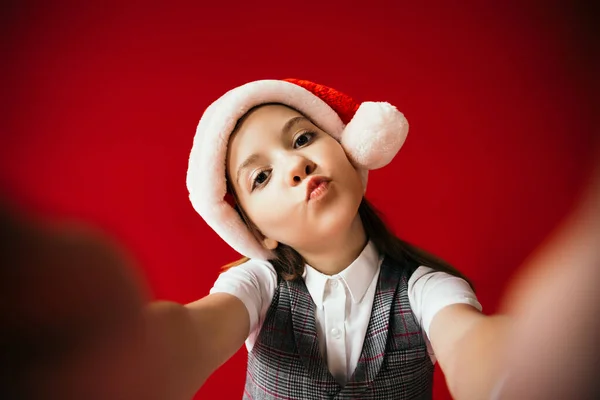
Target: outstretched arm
(76,324)
(546,344)
(194,340)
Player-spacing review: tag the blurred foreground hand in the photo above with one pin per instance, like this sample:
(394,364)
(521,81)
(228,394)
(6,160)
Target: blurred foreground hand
(71,317)
(554,349)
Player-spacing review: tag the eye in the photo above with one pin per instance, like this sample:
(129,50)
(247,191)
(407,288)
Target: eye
(260,179)
(303,139)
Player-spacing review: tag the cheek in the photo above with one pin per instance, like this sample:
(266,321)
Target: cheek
(345,170)
(334,155)
(269,213)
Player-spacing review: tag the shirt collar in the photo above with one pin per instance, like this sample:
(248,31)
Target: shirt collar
(357,276)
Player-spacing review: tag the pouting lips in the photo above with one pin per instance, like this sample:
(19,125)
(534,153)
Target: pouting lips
(314,183)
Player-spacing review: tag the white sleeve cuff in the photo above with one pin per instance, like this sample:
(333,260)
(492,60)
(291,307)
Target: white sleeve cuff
(254,284)
(429,291)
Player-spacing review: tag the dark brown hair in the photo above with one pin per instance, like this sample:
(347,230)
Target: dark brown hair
(289,264)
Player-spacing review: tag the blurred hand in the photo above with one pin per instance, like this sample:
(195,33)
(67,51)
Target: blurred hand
(554,349)
(72,318)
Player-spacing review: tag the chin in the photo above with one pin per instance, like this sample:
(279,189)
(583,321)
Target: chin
(337,219)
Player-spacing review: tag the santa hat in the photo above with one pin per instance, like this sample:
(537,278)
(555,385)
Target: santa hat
(371,134)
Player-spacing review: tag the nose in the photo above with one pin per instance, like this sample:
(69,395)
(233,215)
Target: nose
(300,168)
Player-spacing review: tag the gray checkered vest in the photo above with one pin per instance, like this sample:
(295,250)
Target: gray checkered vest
(285,362)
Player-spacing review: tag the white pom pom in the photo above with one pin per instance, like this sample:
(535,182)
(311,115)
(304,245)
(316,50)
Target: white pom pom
(375,135)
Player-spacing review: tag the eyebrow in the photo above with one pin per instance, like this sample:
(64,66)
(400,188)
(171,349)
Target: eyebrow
(287,127)
(245,164)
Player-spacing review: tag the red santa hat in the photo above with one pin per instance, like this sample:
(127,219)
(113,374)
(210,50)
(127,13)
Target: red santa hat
(371,134)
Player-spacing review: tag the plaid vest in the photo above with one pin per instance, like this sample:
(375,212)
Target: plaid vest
(285,362)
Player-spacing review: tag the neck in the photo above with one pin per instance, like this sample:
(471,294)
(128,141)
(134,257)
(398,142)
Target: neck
(340,252)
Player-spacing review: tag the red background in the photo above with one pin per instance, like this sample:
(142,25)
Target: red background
(101,101)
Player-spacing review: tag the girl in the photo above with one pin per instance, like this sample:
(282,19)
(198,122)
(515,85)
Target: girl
(334,307)
(329,303)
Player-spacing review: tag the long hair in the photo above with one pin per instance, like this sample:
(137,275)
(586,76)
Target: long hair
(289,264)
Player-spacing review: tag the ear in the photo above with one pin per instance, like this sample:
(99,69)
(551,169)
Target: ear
(270,244)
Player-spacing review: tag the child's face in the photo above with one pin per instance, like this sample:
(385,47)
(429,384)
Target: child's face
(270,164)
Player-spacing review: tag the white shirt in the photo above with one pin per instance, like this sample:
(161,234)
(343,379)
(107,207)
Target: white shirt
(343,302)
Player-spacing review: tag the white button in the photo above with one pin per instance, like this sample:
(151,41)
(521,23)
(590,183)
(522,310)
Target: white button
(334,283)
(336,333)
